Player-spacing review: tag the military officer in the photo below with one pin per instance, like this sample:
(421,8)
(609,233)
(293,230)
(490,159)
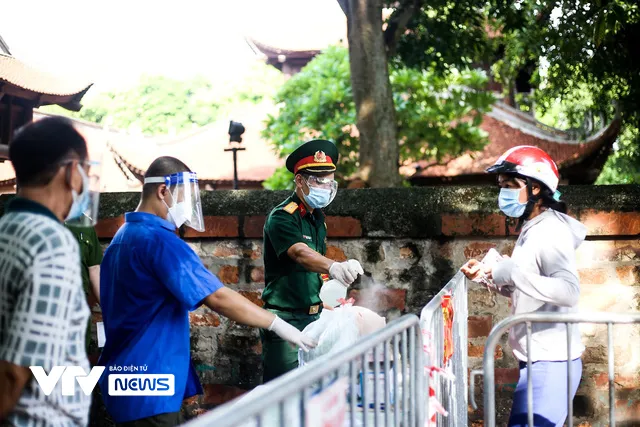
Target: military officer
(294,248)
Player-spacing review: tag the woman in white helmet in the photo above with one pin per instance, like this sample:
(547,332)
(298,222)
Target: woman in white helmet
(540,276)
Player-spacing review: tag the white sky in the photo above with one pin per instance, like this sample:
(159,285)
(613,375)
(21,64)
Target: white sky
(112,42)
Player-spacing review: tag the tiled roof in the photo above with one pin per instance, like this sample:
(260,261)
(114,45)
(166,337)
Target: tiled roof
(508,128)
(19,74)
(314,28)
(126,157)
(203,149)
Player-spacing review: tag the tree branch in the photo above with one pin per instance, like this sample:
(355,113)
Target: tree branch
(398,22)
(344,5)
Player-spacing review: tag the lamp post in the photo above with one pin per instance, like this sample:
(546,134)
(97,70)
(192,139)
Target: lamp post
(235,135)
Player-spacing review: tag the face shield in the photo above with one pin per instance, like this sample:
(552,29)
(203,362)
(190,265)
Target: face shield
(184,205)
(84,210)
(321,191)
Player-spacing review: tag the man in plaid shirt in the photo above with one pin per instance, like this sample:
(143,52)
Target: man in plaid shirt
(43,309)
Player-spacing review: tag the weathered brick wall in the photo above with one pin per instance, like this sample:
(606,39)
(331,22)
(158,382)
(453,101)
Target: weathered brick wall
(411,241)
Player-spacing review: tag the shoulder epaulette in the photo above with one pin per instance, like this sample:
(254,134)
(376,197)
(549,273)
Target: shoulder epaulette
(290,208)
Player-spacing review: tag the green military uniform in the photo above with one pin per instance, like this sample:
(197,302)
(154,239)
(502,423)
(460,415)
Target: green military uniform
(90,255)
(291,292)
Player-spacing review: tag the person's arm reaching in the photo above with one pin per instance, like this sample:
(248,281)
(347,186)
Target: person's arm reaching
(13,378)
(239,309)
(190,282)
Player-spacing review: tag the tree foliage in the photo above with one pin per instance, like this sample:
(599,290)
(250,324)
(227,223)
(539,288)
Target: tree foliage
(586,64)
(318,103)
(159,104)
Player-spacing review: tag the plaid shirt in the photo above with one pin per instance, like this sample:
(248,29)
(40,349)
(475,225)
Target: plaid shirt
(43,311)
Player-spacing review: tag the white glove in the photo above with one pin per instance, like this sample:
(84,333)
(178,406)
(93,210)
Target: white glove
(345,272)
(292,334)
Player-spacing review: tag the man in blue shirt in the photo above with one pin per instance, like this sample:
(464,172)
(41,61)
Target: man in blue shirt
(150,279)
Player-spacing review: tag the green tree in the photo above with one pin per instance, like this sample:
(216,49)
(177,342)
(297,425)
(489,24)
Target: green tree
(158,104)
(588,52)
(418,32)
(436,115)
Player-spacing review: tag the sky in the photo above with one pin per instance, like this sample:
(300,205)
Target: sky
(111,43)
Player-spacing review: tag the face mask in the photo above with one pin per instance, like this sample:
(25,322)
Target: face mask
(80,201)
(509,202)
(317,198)
(179,213)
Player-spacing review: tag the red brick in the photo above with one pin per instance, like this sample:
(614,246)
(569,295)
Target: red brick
(335,253)
(254,226)
(478,351)
(593,276)
(473,224)
(204,319)
(479,326)
(380,300)
(216,226)
(477,250)
(229,274)
(106,227)
(628,410)
(257,274)
(621,381)
(253,296)
(628,274)
(217,394)
(507,375)
(227,250)
(343,226)
(611,223)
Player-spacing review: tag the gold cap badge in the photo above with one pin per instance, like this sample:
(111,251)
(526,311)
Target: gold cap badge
(320,157)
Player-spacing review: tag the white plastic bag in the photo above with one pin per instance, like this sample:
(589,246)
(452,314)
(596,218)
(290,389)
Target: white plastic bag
(332,291)
(335,330)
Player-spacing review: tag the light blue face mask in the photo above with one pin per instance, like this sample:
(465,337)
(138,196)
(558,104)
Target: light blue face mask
(509,202)
(80,201)
(317,198)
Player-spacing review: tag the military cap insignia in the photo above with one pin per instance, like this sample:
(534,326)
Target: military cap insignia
(320,157)
(290,208)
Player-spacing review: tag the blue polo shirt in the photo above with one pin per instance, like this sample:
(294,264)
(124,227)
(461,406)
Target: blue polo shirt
(149,281)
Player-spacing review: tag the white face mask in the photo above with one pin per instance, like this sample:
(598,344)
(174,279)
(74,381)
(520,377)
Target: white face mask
(178,213)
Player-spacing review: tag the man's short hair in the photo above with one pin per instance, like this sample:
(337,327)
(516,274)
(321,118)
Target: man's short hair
(162,166)
(38,149)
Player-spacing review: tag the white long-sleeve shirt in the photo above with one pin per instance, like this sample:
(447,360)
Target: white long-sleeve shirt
(541,276)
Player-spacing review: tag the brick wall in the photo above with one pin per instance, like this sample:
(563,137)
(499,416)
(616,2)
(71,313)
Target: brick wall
(411,241)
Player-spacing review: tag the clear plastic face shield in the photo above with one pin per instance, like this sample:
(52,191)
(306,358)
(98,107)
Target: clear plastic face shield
(322,191)
(184,205)
(84,210)
(329,184)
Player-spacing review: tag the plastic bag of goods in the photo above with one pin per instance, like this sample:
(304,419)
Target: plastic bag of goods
(332,292)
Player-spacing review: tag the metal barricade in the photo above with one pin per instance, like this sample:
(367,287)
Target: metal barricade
(452,395)
(569,319)
(341,385)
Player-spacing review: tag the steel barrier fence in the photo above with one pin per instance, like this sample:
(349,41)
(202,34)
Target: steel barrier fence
(341,385)
(451,394)
(569,319)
